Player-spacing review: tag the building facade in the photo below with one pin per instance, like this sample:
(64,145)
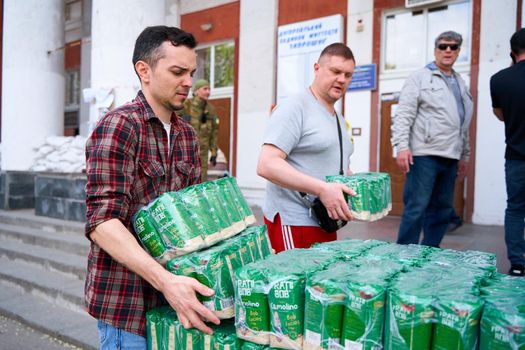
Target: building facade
(65,62)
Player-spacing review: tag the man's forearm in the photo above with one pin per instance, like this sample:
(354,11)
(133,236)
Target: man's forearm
(117,241)
(274,167)
(279,172)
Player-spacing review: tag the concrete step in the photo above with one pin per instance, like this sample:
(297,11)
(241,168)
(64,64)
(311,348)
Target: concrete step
(50,258)
(27,218)
(75,243)
(42,270)
(62,289)
(76,328)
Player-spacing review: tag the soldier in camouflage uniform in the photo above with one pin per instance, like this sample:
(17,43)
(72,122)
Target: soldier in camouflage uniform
(203,117)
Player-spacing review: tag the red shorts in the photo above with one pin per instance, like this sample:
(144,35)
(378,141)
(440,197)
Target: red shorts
(284,237)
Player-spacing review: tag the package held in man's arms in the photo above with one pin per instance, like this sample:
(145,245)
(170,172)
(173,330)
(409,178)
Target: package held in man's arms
(374,197)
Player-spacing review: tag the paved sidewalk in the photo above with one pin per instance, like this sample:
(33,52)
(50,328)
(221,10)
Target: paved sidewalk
(14,335)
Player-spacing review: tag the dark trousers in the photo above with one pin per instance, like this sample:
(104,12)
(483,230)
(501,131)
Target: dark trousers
(428,197)
(515,212)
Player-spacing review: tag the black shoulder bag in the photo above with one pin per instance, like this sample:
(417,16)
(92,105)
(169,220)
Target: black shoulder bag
(317,209)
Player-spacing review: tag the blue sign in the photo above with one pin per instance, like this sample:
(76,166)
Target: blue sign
(364,78)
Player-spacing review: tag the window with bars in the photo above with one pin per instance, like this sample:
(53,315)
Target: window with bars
(72,88)
(72,102)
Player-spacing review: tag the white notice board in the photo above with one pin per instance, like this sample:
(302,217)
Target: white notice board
(298,48)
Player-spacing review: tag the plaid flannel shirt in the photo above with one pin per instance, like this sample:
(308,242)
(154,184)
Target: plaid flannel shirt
(128,166)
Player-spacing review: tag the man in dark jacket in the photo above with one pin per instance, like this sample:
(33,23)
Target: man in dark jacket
(507,88)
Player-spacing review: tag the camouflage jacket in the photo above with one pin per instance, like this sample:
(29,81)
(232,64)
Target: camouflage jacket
(203,117)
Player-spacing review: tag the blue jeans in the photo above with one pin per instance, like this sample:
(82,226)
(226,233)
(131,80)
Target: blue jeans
(515,212)
(112,338)
(428,197)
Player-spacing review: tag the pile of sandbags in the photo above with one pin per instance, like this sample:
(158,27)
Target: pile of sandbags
(61,154)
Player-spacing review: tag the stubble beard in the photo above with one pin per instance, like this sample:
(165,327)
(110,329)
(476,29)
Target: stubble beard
(174,108)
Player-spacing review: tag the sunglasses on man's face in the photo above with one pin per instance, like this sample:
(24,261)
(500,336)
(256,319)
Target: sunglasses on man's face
(443,47)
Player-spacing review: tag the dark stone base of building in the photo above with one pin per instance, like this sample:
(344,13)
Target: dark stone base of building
(17,190)
(61,196)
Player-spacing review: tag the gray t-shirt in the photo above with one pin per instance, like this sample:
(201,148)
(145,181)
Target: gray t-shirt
(453,84)
(302,128)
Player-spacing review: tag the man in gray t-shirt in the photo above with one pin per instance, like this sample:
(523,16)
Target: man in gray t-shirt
(301,147)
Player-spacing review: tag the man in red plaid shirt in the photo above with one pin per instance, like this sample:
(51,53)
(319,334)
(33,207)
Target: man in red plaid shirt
(135,153)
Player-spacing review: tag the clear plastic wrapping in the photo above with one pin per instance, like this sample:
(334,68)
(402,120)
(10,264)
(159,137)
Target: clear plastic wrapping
(503,320)
(457,316)
(353,294)
(374,198)
(215,267)
(503,323)
(165,332)
(408,320)
(196,217)
(269,297)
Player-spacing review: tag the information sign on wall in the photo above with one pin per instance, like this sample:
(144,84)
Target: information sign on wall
(364,78)
(299,46)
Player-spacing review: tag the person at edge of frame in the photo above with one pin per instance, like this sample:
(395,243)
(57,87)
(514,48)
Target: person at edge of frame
(507,89)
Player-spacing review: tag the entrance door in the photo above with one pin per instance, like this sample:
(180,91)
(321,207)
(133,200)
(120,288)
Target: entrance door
(387,163)
(223,107)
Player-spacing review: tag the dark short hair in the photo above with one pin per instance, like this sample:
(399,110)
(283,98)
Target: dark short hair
(148,43)
(338,49)
(517,42)
(449,36)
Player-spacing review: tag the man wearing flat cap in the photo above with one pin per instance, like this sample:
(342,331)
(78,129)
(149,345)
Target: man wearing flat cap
(203,117)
